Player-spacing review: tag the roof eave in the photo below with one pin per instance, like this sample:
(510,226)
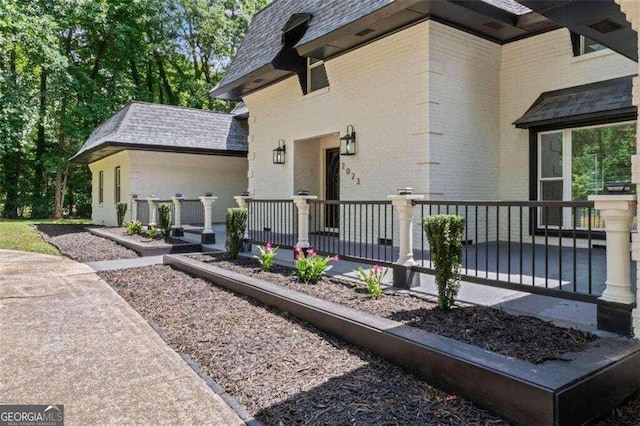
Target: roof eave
(581,119)
(102,151)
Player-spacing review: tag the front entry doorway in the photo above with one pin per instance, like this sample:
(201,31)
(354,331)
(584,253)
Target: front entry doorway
(332,189)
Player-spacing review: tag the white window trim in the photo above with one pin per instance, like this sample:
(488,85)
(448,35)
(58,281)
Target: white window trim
(582,46)
(567,175)
(101,187)
(311,66)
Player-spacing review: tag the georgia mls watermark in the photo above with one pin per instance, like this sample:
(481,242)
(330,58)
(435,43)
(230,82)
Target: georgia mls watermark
(31,415)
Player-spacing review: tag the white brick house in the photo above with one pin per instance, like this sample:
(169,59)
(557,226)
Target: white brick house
(463,101)
(432,103)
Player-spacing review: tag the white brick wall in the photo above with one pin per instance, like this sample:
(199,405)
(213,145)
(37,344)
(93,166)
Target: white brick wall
(163,174)
(432,107)
(530,67)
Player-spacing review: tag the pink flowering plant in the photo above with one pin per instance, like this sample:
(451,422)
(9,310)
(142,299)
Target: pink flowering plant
(267,256)
(310,267)
(373,278)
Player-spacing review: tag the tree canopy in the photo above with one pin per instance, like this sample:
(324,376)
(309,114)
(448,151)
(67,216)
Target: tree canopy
(67,65)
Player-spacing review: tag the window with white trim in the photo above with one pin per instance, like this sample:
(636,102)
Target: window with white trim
(316,75)
(101,187)
(117,185)
(577,162)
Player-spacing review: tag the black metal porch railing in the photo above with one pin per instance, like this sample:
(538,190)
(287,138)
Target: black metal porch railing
(358,230)
(543,247)
(191,212)
(273,221)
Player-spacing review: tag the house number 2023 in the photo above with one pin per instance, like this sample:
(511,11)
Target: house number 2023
(349,173)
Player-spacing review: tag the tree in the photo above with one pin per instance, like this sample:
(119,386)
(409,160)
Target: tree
(65,67)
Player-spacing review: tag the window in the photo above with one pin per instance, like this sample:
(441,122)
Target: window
(583,45)
(101,187)
(316,75)
(575,163)
(117,184)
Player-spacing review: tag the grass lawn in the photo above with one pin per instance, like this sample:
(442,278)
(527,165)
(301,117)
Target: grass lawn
(20,235)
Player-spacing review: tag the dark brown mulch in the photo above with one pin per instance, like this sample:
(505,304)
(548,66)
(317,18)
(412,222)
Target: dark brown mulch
(143,239)
(283,370)
(75,242)
(628,414)
(522,337)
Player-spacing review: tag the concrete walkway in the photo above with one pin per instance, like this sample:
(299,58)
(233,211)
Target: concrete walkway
(67,338)
(112,265)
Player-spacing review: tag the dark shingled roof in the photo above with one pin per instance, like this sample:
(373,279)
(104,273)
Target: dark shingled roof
(255,61)
(141,125)
(608,98)
(263,40)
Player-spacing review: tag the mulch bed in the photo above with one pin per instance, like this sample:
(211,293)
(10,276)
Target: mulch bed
(143,239)
(74,241)
(522,337)
(283,370)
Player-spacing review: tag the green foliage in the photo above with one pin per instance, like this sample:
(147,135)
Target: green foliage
(444,233)
(236,221)
(310,267)
(121,211)
(373,278)
(164,218)
(154,232)
(66,66)
(133,227)
(601,155)
(267,256)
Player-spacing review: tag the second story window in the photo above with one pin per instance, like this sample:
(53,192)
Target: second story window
(584,45)
(316,75)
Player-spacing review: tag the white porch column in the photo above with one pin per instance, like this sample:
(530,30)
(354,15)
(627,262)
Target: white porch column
(618,212)
(134,208)
(208,236)
(405,209)
(243,202)
(207,203)
(302,204)
(177,204)
(177,220)
(153,210)
(631,8)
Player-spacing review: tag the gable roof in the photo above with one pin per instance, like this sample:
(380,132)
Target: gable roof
(610,98)
(336,26)
(146,126)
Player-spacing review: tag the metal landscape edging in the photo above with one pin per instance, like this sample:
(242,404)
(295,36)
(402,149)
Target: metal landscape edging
(556,392)
(147,250)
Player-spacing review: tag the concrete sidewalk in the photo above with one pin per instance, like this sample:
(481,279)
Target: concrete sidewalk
(67,338)
(112,265)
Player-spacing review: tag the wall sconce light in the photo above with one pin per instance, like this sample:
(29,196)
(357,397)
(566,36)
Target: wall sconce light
(618,187)
(280,153)
(348,142)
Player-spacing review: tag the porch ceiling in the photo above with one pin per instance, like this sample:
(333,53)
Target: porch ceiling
(602,21)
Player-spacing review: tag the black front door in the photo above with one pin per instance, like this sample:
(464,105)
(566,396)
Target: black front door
(332,187)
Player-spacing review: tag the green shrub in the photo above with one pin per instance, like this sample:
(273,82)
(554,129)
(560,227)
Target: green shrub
(164,218)
(155,232)
(236,224)
(444,233)
(373,278)
(121,211)
(310,267)
(133,227)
